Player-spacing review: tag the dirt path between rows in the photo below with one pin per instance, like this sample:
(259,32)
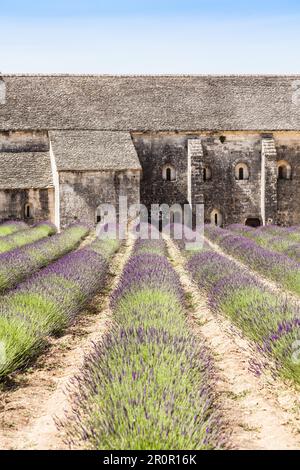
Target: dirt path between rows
(35,397)
(261,412)
(87,240)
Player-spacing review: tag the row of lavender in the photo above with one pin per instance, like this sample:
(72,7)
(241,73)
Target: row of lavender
(276,266)
(16,265)
(271,322)
(7,228)
(49,301)
(279,239)
(149,384)
(26,236)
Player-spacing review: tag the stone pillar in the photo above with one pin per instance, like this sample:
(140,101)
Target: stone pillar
(195,173)
(268,181)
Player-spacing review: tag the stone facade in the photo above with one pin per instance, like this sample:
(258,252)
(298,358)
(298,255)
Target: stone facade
(81,193)
(288,191)
(267,199)
(13,204)
(26,189)
(71,143)
(24,141)
(154,151)
(261,197)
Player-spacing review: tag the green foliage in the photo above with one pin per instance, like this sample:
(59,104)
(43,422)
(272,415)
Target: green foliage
(148,385)
(25,237)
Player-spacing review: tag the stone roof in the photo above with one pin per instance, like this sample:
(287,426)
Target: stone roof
(93,150)
(25,170)
(125,103)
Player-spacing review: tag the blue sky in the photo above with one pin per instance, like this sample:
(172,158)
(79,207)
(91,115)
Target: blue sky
(150,36)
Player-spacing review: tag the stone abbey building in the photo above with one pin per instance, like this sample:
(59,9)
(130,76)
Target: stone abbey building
(69,143)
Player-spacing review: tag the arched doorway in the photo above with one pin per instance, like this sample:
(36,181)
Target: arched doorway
(284,170)
(253,222)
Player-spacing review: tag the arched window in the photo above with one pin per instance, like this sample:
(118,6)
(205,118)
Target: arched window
(169,173)
(28,212)
(241,171)
(284,170)
(206,173)
(216,217)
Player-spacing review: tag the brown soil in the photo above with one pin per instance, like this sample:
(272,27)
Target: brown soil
(33,399)
(261,412)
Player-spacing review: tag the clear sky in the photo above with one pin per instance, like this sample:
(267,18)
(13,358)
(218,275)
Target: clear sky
(150,36)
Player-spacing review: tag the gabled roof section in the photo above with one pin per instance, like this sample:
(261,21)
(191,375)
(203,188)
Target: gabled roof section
(25,170)
(125,103)
(93,150)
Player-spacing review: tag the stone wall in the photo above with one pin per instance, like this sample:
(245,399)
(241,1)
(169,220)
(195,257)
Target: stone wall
(82,192)
(155,151)
(288,191)
(13,202)
(235,199)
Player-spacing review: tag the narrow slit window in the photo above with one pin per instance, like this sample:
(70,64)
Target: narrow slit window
(216,217)
(241,172)
(169,173)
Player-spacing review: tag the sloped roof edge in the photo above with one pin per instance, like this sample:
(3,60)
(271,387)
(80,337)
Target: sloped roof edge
(93,151)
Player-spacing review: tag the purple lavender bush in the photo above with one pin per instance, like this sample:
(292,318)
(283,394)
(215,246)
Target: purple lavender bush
(149,384)
(275,266)
(46,303)
(16,265)
(12,226)
(273,323)
(278,239)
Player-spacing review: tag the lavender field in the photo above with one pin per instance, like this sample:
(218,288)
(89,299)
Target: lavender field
(161,347)
(132,377)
